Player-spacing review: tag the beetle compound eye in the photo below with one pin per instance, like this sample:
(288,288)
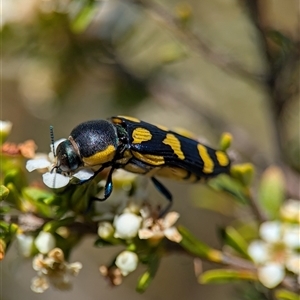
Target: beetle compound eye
(67,158)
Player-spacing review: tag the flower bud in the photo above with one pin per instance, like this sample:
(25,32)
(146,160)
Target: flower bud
(127,225)
(127,262)
(44,242)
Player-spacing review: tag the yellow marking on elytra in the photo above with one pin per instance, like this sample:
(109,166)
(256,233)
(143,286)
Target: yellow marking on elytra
(132,119)
(141,135)
(222,158)
(161,127)
(174,142)
(100,157)
(208,166)
(155,160)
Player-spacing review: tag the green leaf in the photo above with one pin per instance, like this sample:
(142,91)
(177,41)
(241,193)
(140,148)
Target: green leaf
(224,276)
(84,18)
(282,294)
(234,239)
(37,194)
(37,198)
(198,248)
(272,191)
(146,278)
(17,177)
(4,191)
(230,185)
(52,226)
(14,196)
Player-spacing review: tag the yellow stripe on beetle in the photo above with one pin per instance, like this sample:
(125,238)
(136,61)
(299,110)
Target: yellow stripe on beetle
(100,157)
(154,160)
(174,143)
(208,166)
(141,135)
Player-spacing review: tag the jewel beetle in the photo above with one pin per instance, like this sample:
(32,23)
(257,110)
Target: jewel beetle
(138,147)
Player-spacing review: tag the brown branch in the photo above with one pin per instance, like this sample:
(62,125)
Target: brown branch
(197,44)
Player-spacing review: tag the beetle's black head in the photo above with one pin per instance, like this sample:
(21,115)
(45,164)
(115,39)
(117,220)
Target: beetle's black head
(67,158)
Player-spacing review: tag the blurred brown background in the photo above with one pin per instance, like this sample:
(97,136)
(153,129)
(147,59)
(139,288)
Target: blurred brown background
(64,62)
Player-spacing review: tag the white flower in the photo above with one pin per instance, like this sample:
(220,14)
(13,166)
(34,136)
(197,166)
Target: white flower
(25,243)
(52,179)
(127,262)
(44,242)
(127,225)
(156,229)
(276,251)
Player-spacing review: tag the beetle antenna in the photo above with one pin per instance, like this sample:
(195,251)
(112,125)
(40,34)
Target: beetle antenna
(52,140)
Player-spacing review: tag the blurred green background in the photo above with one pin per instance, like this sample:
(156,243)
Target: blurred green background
(207,66)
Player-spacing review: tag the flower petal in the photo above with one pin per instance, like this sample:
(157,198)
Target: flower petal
(145,234)
(173,235)
(84,174)
(293,263)
(270,231)
(271,274)
(291,236)
(55,180)
(34,164)
(258,250)
(170,219)
(290,210)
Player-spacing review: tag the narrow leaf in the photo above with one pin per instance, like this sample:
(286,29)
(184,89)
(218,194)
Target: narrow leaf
(224,276)
(271,191)
(234,239)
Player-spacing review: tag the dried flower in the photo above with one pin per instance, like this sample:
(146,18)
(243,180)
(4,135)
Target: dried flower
(53,270)
(156,229)
(112,274)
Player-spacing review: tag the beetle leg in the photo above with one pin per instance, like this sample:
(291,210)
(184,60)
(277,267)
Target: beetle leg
(166,193)
(108,187)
